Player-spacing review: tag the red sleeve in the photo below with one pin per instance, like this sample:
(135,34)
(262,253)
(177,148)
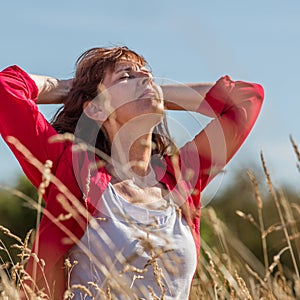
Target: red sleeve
(235,106)
(20,118)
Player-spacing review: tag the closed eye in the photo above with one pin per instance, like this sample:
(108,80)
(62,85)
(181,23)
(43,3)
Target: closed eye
(127,76)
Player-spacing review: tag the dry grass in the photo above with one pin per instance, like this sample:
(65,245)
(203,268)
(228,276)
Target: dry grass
(226,270)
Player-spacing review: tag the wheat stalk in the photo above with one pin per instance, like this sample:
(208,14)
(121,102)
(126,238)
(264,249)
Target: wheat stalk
(280,213)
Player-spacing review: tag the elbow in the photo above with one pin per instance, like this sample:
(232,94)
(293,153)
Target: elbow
(6,81)
(243,92)
(258,92)
(256,99)
(247,99)
(2,81)
(3,87)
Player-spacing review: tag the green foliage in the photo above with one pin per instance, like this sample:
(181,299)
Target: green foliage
(16,215)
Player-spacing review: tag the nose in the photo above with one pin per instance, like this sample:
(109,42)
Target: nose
(145,77)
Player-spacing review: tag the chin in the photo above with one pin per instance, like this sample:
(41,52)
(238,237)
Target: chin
(158,106)
(151,106)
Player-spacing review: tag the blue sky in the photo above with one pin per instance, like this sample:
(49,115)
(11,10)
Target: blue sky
(184,41)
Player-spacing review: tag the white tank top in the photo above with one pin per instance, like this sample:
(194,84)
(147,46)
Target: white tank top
(135,252)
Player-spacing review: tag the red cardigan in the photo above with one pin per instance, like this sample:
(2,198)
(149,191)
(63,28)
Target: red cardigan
(64,222)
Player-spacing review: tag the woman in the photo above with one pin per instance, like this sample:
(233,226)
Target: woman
(122,213)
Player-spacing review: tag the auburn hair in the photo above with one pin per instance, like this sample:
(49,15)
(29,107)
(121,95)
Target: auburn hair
(90,71)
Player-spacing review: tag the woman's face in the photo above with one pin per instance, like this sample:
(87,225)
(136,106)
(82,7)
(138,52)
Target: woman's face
(130,93)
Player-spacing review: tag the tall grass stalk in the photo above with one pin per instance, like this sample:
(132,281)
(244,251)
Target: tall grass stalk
(280,213)
(259,203)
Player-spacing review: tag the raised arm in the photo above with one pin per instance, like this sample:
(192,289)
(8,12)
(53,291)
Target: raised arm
(234,107)
(185,96)
(20,117)
(51,90)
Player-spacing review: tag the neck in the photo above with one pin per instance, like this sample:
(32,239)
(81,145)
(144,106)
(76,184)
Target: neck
(131,150)
(140,155)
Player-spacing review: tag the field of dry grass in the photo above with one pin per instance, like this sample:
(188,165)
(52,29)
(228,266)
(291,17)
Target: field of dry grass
(227,268)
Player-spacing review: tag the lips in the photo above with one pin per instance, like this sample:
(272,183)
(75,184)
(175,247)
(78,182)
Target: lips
(148,93)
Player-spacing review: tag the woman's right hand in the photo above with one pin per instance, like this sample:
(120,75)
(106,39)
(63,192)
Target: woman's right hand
(51,90)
